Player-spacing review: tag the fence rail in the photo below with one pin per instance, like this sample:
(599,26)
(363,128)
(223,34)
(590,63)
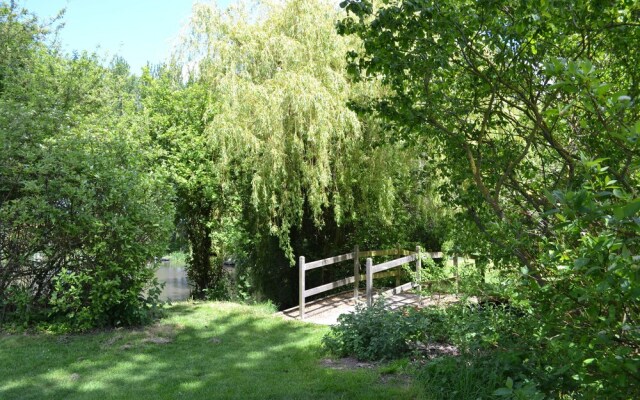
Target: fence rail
(356,255)
(328,261)
(394,263)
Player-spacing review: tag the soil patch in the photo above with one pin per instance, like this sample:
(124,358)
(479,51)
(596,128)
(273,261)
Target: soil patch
(347,363)
(157,340)
(164,330)
(111,340)
(429,351)
(396,380)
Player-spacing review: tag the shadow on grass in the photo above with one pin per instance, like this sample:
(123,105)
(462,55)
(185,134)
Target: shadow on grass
(235,354)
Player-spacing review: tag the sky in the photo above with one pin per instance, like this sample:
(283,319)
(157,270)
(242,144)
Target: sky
(138,30)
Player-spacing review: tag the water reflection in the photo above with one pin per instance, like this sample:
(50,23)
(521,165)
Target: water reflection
(174,277)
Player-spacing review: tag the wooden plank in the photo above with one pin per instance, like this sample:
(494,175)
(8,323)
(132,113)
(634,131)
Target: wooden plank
(455,264)
(371,253)
(399,289)
(395,252)
(369,282)
(433,254)
(301,277)
(394,263)
(328,261)
(418,267)
(356,271)
(384,274)
(379,253)
(329,286)
(346,281)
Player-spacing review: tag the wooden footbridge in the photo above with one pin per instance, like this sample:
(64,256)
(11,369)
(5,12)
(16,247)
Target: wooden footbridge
(327,309)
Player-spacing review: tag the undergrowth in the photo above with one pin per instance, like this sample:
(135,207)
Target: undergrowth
(375,333)
(498,353)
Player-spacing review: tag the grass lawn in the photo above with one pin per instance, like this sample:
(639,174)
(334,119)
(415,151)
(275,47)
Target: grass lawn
(198,351)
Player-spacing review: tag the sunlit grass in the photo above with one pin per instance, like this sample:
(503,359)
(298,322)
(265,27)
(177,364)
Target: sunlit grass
(199,350)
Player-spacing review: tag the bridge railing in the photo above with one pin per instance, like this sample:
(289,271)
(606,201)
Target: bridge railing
(356,255)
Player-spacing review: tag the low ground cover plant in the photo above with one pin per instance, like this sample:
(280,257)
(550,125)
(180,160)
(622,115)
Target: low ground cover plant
(376,332)
(491,357)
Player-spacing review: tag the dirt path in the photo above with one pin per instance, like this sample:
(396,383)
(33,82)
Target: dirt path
(326,311)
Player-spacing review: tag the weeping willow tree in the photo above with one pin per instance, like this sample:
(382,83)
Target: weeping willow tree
(301,168)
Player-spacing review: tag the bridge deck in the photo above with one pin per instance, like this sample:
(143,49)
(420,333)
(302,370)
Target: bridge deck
(325,311)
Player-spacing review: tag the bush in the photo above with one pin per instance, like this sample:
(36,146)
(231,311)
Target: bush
(375,333)
(496,358)
(484,326)
(477,377)
(82,300)
(75,244)
(84,204)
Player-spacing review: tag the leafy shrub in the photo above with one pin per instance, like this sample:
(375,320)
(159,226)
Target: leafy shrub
(476,377)
(76,241)
(496,352)
(84,205)
(479,327)
(231,285)
(584,285)
(588,340)
(375,333)
(17,302)
(84,300)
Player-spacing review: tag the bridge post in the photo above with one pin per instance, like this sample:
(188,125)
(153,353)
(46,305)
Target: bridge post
(418,267)
(301,297)
(399,252)
(356,272)
(369,282)
(455,264)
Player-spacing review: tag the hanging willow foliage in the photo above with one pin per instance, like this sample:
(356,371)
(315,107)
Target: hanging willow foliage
(276,74)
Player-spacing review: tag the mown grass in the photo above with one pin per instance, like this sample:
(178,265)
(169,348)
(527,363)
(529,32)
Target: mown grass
(198,351)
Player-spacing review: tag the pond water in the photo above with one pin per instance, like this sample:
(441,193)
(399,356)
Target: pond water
(176,285)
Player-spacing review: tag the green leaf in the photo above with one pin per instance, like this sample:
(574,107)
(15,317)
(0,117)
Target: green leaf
(509,383)
(618,193)
(503,392)
(628,210)
(594,163)
(581,262)
(562,225)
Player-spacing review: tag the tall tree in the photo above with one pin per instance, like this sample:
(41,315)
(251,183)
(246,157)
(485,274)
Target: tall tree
(307,175)
(532,110)
(175,112)
(481,79)
(81,210)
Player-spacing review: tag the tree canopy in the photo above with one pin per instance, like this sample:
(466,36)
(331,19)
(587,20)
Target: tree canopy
(502,88)
(506,130)
(296,163)
(82,206)
(533,115)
